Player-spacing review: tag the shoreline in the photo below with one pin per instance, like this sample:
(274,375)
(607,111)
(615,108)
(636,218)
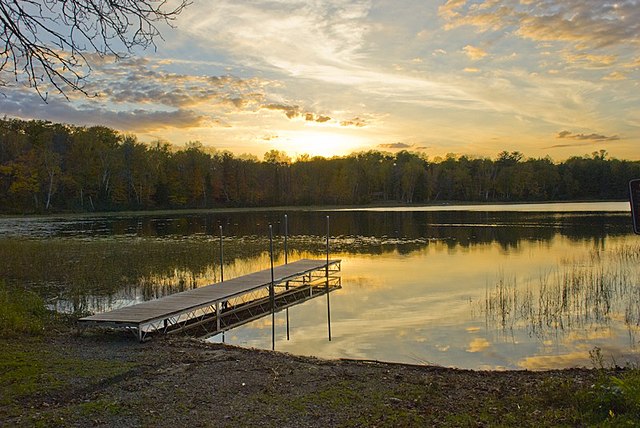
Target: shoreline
(104,378)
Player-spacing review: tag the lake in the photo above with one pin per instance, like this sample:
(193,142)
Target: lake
(531,286)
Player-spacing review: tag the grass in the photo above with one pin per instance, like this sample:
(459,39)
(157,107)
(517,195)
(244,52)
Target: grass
(32,375)
(22,312)
(557,400)
(30,367)
(614,400)
(380,407)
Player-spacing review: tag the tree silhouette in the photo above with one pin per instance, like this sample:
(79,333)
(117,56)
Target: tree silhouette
(49,44)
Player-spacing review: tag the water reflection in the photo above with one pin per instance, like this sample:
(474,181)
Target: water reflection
(469,289)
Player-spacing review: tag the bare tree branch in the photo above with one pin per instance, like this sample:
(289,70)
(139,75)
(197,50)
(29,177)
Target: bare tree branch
(49,43)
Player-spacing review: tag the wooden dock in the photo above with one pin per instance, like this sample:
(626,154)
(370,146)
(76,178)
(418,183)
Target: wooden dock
(224,305)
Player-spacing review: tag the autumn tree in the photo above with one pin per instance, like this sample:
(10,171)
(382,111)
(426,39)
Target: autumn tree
(47,167)
(137,172)
(279,177)
(411,169)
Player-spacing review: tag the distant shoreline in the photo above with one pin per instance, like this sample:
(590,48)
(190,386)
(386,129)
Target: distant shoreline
(435,206)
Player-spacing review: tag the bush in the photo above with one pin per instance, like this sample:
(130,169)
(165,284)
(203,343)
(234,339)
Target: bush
(614,400)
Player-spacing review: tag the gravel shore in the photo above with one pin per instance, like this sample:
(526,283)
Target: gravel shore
(108,379)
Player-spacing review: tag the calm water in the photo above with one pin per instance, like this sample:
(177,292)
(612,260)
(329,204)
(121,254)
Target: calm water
(518,286)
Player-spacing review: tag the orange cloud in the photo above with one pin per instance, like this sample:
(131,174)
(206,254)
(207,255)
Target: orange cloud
(585,23)
(357,122)
(474,53)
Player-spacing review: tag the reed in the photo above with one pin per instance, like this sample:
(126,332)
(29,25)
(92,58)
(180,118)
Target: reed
(592,290)
(94,274)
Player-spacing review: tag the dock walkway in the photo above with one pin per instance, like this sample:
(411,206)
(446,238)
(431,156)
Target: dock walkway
(242,298)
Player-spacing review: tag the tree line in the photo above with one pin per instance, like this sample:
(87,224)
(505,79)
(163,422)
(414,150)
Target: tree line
(50,167)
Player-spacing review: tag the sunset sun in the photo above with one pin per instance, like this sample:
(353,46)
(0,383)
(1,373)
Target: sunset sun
(319,143)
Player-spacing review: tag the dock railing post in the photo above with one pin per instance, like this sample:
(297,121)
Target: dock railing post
(221,257)
(272,296)
(327,284)
(327,266)
(286,236)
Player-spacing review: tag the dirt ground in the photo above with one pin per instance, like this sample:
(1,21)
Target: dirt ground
(107,379)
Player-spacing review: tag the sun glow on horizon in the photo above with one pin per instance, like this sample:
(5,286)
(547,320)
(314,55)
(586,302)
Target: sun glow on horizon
(316,143)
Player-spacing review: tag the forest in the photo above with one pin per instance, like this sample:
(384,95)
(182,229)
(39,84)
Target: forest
(49,167)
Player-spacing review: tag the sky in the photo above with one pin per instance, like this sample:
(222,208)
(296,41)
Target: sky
(551,77)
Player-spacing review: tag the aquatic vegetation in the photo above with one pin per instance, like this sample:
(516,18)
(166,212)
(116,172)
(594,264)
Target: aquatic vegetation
(589,290)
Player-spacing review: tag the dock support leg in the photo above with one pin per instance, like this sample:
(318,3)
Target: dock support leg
(287,310)
(328,309)
(218,316)
(326,274)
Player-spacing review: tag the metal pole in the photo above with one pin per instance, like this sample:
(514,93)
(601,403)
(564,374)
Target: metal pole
(286,261)
(327,284)
(287,311)
(272,293)
(327,266)
(286,236)
(221,257)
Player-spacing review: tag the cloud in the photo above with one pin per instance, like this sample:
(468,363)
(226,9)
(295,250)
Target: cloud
(316,118)
(395,146)
(357,122)
(326,42)
(450,9)
(135,91)
(581,139)
(290,111)
(583,23)
(293,111)
(142,82)
(474,53)
(615,75)
(590,60)
(26,105)
(586,137)
(293,31)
